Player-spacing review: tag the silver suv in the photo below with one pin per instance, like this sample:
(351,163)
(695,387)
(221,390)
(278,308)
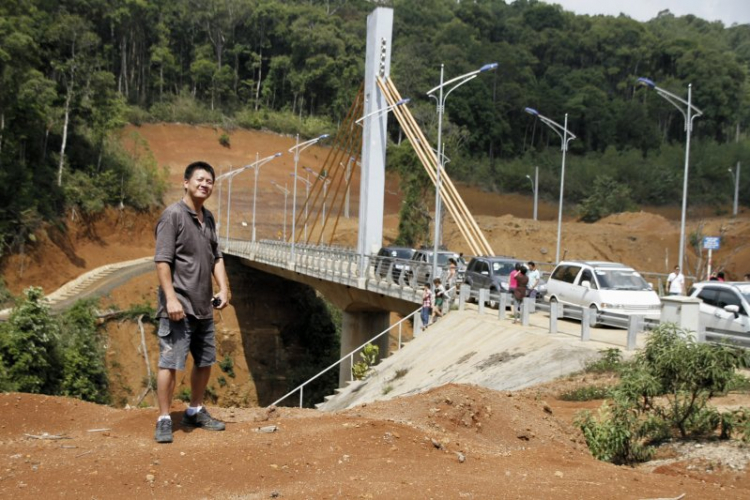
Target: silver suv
(725,306)
(419,270)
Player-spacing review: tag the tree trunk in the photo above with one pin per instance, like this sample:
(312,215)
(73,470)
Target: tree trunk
(68,98)
(260,77)
(2,130)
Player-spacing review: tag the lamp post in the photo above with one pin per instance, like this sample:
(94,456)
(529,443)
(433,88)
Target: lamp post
(689,113)
(297,149)
(441,97)
(326,181)
(566,136)
(535,189)
(384,110)
(307,199)
(231,174)
(256,167)
(284,189)
(736,181)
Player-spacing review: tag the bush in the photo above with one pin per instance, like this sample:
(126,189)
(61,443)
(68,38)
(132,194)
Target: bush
(610,360)
(224,140)
(29,346)
(663,393)
(183,108)
(369,355)
(608,196)
(137,116)
(587,393)
(84,373)
(184,394)
(227,366)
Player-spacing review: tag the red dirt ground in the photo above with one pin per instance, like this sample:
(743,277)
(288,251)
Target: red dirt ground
(515,445)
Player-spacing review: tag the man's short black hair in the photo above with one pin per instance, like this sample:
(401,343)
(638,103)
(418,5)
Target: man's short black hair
(532,264)
(199,165)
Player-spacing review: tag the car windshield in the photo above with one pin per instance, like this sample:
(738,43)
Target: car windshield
(745,291)
(401,253)
(502,268)
(620,279)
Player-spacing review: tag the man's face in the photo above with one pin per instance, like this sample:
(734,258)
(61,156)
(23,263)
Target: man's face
(200,185)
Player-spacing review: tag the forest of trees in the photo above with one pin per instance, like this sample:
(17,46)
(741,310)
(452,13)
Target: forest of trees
(72,72)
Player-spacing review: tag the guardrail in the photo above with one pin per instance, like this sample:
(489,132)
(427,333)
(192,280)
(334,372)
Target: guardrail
(350,357)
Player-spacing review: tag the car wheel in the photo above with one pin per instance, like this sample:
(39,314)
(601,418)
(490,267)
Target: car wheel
(593,313)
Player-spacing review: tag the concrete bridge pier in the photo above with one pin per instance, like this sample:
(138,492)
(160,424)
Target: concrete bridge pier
(358,327)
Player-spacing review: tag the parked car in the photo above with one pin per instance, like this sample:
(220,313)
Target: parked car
(393,258)
(608,287)
(419,270)
(724,305)
(493,273)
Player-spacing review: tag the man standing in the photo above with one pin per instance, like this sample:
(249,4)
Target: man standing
(676,282)
(187,257)
(534,277)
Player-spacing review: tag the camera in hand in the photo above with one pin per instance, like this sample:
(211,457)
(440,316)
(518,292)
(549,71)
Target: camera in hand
(216,301)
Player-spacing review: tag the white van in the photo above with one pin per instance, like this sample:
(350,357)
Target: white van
(607,287)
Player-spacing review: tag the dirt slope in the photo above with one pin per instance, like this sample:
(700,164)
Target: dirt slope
(452,442)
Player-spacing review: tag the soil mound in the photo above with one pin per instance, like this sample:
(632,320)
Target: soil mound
(639,221)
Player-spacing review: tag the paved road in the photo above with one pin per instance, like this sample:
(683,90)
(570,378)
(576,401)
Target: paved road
(95,283)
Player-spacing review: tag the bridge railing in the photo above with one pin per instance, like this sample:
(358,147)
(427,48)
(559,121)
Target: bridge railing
(349,356)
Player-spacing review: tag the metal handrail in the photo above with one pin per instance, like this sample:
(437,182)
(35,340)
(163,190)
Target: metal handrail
(349,356)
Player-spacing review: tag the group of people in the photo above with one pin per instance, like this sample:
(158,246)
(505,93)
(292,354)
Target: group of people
(523,282)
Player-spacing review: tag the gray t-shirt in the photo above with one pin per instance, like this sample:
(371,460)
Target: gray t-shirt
(191,249)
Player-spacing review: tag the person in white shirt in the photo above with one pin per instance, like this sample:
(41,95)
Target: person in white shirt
(676,282)
(534,277)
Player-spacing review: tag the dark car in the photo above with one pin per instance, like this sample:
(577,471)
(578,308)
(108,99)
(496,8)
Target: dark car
(419,271)
(493,273)
(394,259)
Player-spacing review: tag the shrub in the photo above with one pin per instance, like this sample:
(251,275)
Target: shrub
(224,140)
(369,355)
(184,394)
(587,393)
(227,366)
(610,360)
(665,391)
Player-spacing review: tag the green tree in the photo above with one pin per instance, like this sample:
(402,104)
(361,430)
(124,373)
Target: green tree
(84,373)
(608,196)
(29,345)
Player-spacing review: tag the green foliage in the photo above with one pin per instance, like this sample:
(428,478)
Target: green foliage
(608,196)
(664,391)
(369,355)
(184,394)
(227,366)
(144,309)
(587,393)
(414,214)
(43,354)
(29,346)
(225,141)
(609,360)
(184,108)
(84,373)
(222,381)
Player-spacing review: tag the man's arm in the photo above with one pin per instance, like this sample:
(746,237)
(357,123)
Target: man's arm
(174,306)
(220,275)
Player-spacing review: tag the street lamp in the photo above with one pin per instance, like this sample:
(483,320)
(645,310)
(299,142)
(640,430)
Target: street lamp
(326,181)
(689,113)
(297,149)
(535,189)
(385,110)
(284,190)
(307,198)
(232,173)
(736,182)
(566,136)
(455,82)
(256,166)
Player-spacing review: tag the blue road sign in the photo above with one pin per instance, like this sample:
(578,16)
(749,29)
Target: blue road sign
(711,242)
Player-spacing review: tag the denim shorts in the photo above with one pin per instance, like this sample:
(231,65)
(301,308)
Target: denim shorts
(177,338)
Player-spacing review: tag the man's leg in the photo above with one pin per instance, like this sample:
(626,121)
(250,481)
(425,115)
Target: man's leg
(165,381)
(198,383)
